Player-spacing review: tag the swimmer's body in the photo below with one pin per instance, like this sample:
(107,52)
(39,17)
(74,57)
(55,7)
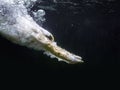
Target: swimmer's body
(19,27)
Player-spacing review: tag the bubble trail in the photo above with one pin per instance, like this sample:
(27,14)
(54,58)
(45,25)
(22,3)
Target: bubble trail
(19,27)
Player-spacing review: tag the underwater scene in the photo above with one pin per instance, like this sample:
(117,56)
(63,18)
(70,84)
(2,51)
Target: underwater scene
(60,34)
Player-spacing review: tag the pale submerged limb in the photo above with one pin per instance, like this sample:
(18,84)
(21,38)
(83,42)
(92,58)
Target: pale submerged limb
(26,32)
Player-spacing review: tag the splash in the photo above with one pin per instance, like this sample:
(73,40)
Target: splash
(18,26)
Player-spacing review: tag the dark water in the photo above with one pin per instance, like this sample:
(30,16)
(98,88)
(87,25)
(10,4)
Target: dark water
(89,28)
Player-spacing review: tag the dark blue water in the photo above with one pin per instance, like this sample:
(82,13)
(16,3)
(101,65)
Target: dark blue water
(87,28)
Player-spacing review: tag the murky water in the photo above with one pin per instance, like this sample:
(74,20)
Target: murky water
(86,27)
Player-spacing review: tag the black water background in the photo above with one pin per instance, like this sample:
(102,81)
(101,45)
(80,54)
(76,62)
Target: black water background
(87,30)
